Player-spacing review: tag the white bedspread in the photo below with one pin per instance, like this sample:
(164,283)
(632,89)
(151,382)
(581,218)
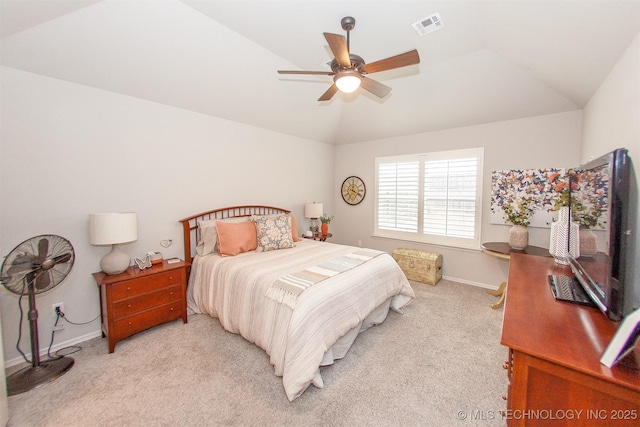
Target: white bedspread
(233,290)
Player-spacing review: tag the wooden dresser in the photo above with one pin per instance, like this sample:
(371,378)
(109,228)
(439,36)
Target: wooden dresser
(140,299)
(555,376)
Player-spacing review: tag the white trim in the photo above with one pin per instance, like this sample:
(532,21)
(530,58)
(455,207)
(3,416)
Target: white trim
(470,282)
(43,352)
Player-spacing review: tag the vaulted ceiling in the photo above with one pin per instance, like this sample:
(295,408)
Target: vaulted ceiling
(492,61)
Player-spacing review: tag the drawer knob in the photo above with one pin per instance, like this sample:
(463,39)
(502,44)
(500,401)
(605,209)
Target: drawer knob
(505,365)
(170,277)
(129,323)
(171,308)
(128,305)
(128,288)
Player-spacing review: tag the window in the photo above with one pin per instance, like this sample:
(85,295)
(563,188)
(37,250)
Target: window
(432,197)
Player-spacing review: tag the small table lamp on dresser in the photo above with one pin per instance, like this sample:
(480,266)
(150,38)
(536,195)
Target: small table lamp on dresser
(113,229)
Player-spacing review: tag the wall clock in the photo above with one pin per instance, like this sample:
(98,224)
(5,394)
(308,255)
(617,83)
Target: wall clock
(353,190)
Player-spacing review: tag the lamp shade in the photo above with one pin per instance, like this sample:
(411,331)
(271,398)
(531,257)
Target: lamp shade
(313,210)
(113,228)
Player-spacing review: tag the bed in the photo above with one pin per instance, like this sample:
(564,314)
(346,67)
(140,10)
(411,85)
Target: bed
(303,301)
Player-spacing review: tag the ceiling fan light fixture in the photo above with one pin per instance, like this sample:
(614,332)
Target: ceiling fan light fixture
(348,81)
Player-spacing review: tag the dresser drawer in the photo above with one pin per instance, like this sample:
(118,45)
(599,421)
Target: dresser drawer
(133,305)
(130,325)
(146,284)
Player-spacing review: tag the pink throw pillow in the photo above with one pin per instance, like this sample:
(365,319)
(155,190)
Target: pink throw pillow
(235,238)
(294,230)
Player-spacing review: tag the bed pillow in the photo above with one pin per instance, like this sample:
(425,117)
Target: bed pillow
(235,238)
(273,232)
(208,242)
(294,230)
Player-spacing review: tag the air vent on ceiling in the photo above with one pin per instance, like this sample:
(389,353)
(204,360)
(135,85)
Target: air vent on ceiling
(429,24)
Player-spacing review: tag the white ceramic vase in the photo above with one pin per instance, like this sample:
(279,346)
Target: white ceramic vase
(565,238)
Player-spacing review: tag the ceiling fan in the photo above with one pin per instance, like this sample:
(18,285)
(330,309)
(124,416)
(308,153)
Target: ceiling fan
(350,71)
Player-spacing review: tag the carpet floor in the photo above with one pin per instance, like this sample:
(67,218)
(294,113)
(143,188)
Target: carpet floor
(438,364)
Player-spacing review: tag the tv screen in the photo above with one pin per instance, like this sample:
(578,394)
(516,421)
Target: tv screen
(600,204)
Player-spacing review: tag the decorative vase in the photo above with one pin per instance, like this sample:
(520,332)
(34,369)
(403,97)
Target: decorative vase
(324,227)
(565,238)
(588,242)
(518,237)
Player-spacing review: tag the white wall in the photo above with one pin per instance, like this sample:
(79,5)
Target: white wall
(612,116)
(537,142)
(69,150)
(612,120)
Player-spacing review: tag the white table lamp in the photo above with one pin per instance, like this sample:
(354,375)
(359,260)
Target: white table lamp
(313,211)
(113,229)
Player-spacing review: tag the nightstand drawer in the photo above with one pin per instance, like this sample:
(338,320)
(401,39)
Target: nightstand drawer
(146,284)
(133,305)
(130,325)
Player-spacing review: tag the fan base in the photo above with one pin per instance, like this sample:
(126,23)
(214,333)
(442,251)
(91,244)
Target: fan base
(32,377)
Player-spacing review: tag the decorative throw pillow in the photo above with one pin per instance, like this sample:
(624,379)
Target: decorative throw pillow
(208,242)
(294,230)
(235,238)
(273,232)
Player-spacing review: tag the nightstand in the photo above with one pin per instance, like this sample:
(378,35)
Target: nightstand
(136,300)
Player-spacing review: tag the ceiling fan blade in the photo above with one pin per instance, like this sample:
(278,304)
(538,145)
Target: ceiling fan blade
(318,73)
(402,60)
(376,88)
(338,45)
(329,93)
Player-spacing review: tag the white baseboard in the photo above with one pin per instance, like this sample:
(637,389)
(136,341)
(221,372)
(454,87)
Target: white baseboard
(54,348)
(470,282)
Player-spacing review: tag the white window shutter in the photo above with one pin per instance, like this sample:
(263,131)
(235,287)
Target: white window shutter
(432,197)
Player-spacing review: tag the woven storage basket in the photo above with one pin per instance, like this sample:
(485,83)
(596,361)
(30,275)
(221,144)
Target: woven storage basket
(419,266)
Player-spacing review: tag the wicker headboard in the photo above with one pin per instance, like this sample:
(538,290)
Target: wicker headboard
(190,225)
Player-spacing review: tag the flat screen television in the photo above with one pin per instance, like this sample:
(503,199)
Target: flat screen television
(601,201)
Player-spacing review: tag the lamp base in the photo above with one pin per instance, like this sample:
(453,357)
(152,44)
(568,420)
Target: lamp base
(314,226)
(115,262)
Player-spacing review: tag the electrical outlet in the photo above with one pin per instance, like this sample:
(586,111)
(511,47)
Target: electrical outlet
(56,306)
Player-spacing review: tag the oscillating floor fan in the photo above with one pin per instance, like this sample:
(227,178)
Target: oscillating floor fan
(35,266)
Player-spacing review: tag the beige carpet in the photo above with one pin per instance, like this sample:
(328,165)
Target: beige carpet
(433,366)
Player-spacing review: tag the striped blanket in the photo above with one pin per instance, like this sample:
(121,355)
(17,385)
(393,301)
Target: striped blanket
(288,287)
